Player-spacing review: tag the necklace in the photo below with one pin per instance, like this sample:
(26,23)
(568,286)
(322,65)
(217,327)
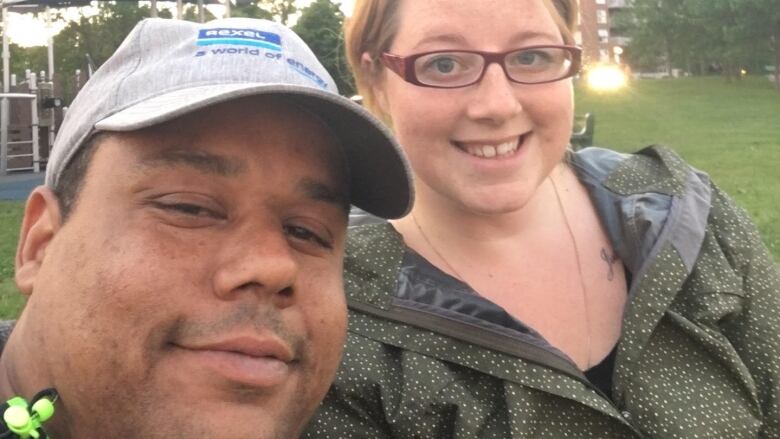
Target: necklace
(430,244)
(583,289)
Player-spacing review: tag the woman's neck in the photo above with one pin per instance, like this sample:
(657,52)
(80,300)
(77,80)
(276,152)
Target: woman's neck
(444,220)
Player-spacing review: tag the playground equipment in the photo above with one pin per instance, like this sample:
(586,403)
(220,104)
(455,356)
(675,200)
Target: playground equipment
(22,152)
(24,145)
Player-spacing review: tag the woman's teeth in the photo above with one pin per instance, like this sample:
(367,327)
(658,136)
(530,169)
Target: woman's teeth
(490,151)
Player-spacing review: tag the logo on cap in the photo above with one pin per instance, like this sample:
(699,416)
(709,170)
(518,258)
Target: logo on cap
(240,37)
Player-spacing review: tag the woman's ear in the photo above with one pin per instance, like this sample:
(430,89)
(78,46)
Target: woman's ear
(41,223)
(377,83)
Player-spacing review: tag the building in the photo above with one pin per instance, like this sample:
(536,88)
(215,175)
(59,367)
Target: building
(600,35)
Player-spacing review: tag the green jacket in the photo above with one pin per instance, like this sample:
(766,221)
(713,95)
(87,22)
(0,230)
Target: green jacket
(699,355)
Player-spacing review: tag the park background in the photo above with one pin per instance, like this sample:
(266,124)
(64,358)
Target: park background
(715,96)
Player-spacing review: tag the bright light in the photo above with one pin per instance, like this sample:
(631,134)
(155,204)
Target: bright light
(606,78)
(27,31)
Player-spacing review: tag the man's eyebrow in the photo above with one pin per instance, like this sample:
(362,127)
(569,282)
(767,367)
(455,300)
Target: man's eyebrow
(321,192)
(200,160)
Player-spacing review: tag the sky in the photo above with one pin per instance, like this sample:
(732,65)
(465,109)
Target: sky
(26,30)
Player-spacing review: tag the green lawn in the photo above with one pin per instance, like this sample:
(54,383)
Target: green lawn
(729,130)
(10,218)
(732,131)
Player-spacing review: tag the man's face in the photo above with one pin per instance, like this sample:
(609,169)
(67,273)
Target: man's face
(195,290)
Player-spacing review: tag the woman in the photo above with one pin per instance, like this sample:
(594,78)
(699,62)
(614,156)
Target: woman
(534,292)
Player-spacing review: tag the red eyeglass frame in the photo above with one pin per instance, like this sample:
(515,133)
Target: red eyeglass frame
(403,66)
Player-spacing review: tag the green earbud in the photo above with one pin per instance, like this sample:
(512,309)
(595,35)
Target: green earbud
(23,423)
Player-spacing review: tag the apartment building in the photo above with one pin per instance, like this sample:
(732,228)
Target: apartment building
(601,37)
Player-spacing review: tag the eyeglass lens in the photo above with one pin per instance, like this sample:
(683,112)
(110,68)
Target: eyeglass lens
(452,69)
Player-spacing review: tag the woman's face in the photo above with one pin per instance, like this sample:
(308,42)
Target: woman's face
(488,146)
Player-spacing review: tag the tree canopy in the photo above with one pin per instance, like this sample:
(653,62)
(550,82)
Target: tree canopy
(706,35)
(92,39)
(320,27)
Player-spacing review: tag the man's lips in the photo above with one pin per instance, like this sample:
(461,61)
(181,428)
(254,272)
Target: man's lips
(248,360)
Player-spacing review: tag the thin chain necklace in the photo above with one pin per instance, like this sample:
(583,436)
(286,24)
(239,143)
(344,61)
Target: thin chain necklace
(430,244)
(583,288)
(573,238)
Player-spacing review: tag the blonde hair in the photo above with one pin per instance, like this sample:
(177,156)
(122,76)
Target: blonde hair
(373,26)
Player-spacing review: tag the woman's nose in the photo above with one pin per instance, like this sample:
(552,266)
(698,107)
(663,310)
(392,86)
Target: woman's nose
(495,99)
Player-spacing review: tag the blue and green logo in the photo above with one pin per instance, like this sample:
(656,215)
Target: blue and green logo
(240,37)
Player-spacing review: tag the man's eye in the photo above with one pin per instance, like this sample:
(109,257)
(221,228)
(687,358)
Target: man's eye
(304,234)
(187,209)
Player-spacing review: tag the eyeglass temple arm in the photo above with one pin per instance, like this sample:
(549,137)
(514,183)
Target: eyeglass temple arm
(394,62)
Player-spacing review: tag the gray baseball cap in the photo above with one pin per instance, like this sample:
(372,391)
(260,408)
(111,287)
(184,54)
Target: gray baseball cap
(167,68)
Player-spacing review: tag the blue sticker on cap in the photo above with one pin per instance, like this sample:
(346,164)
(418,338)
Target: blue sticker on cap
(240,37)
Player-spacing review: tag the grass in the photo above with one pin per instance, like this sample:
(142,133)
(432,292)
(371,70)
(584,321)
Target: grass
(11,301)
(729,130)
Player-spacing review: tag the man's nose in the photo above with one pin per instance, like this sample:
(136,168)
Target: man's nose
(495,99)
(257,261)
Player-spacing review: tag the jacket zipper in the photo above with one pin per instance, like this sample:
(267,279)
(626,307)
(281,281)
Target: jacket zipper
(488,339)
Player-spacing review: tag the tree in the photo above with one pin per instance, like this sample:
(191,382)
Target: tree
(698,35)
(765,14)
(95,38)
(279,10)
(190,13)
(33,59)
(320,27)
(249,9)
(656,28)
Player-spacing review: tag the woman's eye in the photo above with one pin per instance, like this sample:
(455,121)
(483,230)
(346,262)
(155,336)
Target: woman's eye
(444,65)
(527,58)
(530,58)
(304,234)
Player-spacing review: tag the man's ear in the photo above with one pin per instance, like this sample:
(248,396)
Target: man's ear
(41,222)
(377,84)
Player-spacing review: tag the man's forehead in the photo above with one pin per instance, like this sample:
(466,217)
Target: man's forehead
(203,161)
(330,190)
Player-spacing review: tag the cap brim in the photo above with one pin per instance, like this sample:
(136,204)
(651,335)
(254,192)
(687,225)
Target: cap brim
(380,177)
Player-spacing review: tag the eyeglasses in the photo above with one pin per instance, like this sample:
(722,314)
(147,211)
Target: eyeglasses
(461,68)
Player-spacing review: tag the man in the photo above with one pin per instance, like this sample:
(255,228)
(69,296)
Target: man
(183,261)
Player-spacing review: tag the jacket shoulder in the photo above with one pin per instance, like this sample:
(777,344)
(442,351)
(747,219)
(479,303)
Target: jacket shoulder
(655,168)
(374,254)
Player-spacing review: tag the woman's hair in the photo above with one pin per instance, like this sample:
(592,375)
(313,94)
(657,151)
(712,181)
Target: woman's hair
(373,26)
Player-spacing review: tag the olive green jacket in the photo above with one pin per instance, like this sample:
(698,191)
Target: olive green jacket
(699,355)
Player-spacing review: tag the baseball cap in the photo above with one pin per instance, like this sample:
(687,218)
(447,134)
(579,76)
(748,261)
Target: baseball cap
(168,68)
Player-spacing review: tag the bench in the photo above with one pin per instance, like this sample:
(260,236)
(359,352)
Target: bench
(582,132)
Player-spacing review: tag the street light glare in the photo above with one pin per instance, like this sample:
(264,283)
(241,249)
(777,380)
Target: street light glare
(606,78)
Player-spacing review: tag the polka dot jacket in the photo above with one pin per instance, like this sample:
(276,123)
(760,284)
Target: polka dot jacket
(699,354)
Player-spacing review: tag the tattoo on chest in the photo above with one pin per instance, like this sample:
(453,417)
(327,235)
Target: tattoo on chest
(610,260)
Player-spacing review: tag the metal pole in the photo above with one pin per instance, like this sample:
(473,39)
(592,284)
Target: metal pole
(4,103)
(227,8)
(154,8)
(50,44)
(179,9)
(36,150)
(201,15)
